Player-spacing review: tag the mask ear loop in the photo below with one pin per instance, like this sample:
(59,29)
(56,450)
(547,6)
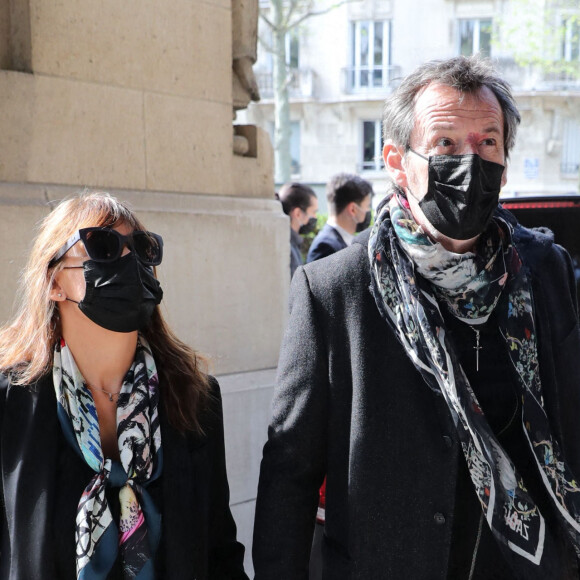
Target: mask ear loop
(71,268)
(418,154)
(404,193)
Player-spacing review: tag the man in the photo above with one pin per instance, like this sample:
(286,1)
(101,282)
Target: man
(349,204)
(431,370)
(349,208)
(300,203)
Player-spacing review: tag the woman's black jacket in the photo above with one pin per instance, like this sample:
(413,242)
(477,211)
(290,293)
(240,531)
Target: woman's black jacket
(41,473)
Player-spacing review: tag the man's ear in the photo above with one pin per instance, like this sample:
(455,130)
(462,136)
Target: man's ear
(394,164)
(351,208)
(295,213)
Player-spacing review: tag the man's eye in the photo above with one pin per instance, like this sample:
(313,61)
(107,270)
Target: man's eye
(489,142)
(444,142)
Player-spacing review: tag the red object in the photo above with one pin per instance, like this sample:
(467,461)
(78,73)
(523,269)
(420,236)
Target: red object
(321,513)
(539,204)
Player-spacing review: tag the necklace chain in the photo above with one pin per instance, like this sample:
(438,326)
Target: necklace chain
(112,396)
(477,347)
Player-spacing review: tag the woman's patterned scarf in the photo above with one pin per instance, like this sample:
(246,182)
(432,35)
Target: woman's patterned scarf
(471,286)
(98,540)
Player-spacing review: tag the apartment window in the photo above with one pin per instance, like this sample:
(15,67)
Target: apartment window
(266,58)
(295,146)
(371,54)
(292,49)
(570,148)
(372,150)
(475,36)
(264,67)
(571,37)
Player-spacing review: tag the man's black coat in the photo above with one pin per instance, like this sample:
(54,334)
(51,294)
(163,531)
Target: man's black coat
(350,404)
(327,241)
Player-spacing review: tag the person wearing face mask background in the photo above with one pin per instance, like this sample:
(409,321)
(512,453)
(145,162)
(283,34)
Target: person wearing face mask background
(349,207)
(300,203)
(111,436)
(431,369)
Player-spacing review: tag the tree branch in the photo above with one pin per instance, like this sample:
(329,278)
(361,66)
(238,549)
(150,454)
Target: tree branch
(287,81)
(267,21)
(310,13)
(266,45)
(294,5)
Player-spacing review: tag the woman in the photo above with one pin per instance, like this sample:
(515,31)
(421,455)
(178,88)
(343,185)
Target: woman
(300,203)
(111,435)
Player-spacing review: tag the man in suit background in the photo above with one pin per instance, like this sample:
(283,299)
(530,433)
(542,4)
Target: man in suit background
(349,207)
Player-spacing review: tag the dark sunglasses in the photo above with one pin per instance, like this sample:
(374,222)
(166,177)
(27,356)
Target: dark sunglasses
(106,245)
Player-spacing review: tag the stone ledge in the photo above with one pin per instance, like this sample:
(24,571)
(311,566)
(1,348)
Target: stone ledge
(19,194)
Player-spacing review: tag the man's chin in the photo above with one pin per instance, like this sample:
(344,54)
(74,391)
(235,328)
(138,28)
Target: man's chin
(450,244)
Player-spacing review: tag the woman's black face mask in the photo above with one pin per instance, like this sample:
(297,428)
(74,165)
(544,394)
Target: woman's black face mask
(462,194)
(120,295)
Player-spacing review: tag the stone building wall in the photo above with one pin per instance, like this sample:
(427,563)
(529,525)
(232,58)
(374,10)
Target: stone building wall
(137,98)
(330,116)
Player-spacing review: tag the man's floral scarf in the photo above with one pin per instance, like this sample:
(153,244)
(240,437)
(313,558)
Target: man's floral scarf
(98,539)
(411,278)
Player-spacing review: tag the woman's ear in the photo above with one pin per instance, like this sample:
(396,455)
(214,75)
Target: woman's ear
(394,164)
(56,292)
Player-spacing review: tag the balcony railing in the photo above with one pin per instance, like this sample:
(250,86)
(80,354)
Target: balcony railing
(370,79)
(528,78)
(301,85)
(370,165)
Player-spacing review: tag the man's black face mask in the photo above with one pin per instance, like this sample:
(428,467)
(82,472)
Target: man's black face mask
(362,226)
(120,295)
(462,194)
(308,227)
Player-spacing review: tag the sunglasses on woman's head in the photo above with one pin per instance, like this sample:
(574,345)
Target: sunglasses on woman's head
(106,245)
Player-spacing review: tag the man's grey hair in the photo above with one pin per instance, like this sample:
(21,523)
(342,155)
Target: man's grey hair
(467,75)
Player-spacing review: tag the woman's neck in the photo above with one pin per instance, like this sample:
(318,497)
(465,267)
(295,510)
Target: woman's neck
(103,357)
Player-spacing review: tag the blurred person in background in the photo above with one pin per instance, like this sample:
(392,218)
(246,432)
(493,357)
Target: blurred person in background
(111,433)
(349,200)
(431,370)
(300,203)
(349,207)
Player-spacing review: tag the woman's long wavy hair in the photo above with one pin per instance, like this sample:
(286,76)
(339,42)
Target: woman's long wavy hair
(27,343)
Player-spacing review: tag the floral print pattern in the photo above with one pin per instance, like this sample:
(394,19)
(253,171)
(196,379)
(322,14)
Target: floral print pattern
(471,286)
(139,439)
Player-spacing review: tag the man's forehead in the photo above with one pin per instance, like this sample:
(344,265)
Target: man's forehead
(437,105)
(442,89)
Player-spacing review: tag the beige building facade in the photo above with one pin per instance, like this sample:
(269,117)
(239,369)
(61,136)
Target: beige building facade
(138,99)
(344,63)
